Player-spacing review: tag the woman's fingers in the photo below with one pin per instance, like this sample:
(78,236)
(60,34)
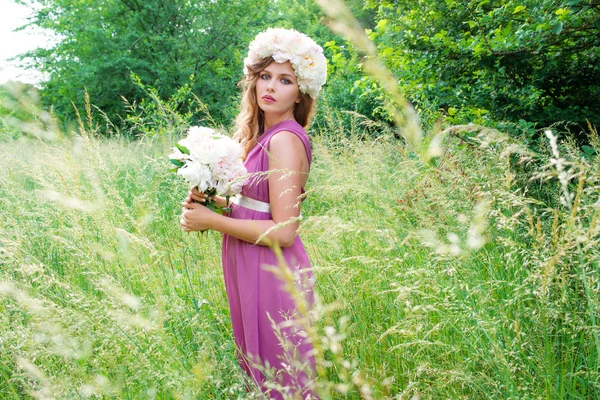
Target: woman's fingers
(193,217)
(195,195)
(183,223)
(191,199)
(188,205)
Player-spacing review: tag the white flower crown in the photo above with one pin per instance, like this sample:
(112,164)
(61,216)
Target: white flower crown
(306,56)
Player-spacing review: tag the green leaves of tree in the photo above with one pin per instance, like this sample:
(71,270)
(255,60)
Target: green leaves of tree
(163,43)
(501,60)
(522,59)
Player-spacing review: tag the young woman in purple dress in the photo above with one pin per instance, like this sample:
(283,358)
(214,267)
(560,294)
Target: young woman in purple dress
(283,74)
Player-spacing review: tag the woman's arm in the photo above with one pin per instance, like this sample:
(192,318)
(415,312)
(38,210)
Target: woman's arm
(289,163)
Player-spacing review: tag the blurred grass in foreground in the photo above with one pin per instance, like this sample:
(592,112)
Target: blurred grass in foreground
(471,275)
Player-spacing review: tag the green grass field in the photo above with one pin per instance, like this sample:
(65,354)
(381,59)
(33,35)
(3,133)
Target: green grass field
(462,278)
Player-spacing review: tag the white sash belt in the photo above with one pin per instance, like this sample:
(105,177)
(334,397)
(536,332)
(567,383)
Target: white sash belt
(251,204)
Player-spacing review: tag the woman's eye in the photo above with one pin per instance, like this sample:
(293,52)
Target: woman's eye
(264,76)
(286,81)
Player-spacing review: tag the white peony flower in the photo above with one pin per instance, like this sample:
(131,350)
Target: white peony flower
(196,174)
(214,161)
(197,136)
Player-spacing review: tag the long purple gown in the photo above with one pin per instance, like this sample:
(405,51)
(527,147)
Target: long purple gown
(256,296)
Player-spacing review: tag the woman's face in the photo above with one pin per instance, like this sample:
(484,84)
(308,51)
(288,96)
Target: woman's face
(277,90)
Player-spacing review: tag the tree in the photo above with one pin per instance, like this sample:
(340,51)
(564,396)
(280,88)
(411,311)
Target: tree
(532,60)
(164,43)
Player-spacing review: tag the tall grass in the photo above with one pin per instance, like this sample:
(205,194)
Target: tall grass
(472,275)
(102,291)
(454,265)
(516,318)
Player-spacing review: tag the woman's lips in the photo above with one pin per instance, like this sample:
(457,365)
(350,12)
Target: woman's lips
(268,99)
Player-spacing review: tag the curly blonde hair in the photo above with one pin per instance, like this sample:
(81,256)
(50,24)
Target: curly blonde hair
(250,122)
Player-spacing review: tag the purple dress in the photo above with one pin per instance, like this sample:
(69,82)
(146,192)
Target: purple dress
(256,295)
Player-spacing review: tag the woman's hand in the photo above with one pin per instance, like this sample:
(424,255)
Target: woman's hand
(195,195)
(196,217)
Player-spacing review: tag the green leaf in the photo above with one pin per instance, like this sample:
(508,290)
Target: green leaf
(177,163)
(183,149)
(590,151)
(518,9)
(558,28)
(382,24)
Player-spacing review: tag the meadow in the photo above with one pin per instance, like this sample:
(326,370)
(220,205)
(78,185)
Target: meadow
(469,275)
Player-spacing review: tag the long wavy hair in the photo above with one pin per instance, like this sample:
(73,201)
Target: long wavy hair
(250,122)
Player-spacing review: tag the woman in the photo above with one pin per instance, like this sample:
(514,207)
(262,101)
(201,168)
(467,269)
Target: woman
(283,74)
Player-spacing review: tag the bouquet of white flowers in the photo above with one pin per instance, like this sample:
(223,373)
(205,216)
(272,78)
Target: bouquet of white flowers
(211,162)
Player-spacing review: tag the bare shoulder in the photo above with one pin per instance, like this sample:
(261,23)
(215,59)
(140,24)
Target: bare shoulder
(286,146)
(286,138)
(285,142)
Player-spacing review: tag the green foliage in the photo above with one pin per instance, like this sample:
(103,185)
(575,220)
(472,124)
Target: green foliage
(9,110)
(348,88)
(435,281)
(131,51)
(517,65)
(21,113)
(528,60)
(166,44)
(157,116)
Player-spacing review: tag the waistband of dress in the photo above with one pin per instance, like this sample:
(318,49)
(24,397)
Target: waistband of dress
(251,204)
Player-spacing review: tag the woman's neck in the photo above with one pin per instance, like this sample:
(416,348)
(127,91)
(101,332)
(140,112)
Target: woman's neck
(271,119)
